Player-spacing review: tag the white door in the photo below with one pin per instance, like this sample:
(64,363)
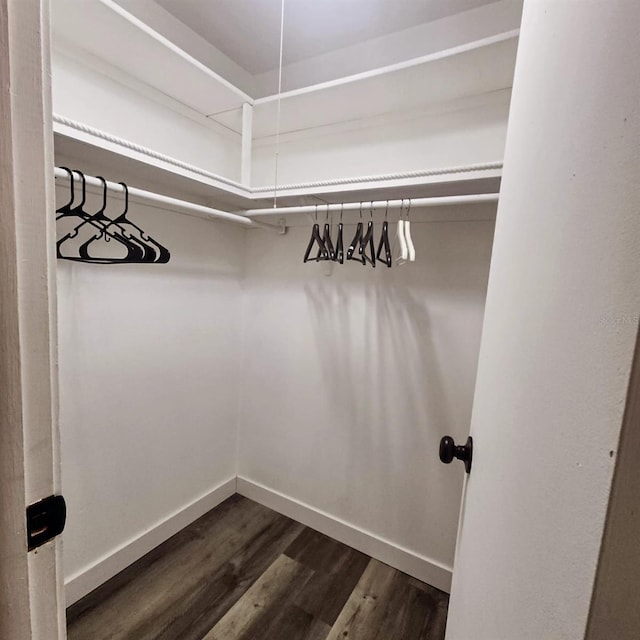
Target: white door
(30,582)
(558,341)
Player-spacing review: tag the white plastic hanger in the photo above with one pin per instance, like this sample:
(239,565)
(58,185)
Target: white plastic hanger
(402,238)
(404,252)
(407,236)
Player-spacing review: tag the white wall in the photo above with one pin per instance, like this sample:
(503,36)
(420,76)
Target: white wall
(351,380)
(472,131)
(148,391)
(109,101)
(368,370)
(559,335)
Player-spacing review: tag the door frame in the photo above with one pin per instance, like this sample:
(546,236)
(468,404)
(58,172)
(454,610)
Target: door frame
(31,585)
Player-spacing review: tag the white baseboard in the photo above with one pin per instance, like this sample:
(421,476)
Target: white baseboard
(108,566)
(414,564)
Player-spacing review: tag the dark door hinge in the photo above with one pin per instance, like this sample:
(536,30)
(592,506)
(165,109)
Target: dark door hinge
(45,520)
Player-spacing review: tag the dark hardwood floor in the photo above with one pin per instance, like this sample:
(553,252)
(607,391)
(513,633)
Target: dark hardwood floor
(244,572)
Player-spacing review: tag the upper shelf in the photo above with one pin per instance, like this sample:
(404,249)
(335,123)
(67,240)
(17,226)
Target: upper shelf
(127,43)
(475,68)
(107,31)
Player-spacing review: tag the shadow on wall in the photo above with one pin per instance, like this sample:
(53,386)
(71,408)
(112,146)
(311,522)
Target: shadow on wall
(377,352)
(354,378)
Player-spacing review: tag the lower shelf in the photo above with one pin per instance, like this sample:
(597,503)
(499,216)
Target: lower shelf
(98,152)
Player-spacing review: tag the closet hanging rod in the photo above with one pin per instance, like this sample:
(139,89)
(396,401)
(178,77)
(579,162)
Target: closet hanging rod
(435,201)
(189,208)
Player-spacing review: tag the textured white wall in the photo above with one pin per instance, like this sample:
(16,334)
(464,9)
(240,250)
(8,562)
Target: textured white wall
(560,329)
(351,380)
(148,382)
(473,131)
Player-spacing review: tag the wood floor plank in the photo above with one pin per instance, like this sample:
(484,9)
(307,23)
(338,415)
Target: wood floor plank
(434,603)
(337,568)
(389,605)
(409,613)
(424,614)
(288,622)
(363,613)
(181,594)
(317,551)
(268,592)
(326,593)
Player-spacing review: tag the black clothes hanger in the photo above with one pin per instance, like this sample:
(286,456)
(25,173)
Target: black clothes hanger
(326,239)
(315,238)
(77,211)
(356,243)
(65,209)
(384,241)
(368,240)
(135,251)
(138,246)
(68,210)
(163,255)
(339,250)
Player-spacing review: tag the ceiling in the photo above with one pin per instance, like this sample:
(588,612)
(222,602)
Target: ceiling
(248,31)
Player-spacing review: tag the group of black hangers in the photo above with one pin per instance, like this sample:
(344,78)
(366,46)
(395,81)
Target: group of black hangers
(135,246)
(362,243)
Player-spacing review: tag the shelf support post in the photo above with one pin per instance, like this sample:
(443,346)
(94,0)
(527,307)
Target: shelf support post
(247,141)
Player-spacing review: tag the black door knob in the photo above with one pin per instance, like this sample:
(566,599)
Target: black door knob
(449,450)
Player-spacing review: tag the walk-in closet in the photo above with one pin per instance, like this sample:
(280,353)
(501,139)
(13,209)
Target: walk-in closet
(321,317)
